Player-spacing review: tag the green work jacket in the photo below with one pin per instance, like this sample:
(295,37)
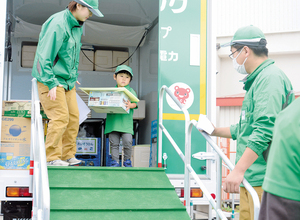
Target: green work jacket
(266,90)
(57,55)
(120,122)
(283,168)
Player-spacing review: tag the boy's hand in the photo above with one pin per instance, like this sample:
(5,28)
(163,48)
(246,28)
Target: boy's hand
(129,105)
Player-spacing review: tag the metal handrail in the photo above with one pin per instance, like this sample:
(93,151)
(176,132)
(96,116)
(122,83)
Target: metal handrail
(247,185)
(40,183)
(187,158)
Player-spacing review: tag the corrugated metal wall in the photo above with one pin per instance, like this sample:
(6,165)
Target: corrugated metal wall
(269,15)
(228,115)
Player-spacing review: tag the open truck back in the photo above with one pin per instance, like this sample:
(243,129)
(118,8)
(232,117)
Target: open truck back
(14,183)
(176,49)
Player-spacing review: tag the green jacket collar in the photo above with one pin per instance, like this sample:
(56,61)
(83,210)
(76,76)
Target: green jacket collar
(248,80)
(126,87)
(72,20)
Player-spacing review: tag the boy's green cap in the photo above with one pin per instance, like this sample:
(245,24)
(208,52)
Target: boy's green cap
(92,5)
(248,36)
(124,68)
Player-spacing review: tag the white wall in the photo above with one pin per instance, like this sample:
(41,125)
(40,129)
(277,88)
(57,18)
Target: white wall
(279,20)
(271,16)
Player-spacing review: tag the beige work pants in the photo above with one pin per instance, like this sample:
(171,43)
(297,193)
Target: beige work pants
(246,202)
(63,124)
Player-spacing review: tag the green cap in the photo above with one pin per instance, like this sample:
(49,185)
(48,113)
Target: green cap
(248,36)
(123,68)
(92,5)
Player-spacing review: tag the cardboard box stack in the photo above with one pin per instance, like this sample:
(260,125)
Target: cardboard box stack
(15,134)
(19,109)
(15,143)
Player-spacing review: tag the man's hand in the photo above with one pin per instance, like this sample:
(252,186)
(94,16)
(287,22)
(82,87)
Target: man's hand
(52,93)
(233,181)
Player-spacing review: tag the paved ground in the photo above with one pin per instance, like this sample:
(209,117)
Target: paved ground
(235,218)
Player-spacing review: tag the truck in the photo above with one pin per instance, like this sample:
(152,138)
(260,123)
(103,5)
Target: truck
(167,43)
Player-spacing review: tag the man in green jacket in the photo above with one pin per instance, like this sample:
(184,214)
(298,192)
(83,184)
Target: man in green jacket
(267,91)
(281,198)
(55,68)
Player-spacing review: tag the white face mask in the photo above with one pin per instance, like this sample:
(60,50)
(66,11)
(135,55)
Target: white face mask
(240,68)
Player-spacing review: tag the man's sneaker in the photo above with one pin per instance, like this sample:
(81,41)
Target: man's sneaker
(127,163)
(114,164)
(73,161)
(57,163)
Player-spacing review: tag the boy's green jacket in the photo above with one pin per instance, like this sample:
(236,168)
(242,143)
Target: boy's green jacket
(266,91)
(57,56)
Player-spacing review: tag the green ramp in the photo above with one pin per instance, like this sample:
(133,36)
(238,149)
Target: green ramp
(92,193)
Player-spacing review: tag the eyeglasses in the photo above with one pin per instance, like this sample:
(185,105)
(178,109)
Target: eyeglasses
(231,55)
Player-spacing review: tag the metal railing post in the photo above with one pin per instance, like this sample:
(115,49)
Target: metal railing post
(187,160)
(199,182)
(187,179)
(160,120)
(40,183)
(250,189)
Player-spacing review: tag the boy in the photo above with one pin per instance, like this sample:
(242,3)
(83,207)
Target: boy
(121,125)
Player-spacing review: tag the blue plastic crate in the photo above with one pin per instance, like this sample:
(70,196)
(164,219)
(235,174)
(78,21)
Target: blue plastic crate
(153,145)
(89,150)
(89,161)
(108,158)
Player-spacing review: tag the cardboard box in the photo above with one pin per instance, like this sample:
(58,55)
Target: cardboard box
(140,155)
(15,156)
(109,100)
(15,130)
(84,63)
(19,109)
(28,54)
(103,60)
(139,113)
(119,57)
